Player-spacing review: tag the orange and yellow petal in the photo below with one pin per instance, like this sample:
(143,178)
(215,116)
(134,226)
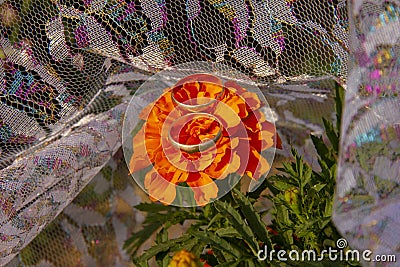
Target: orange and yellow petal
(236,103)
(226,115)
(252,162)
(197,89)
(257,165)
(169,171)
(139,159)
(203,186)
(253,102)
(225,161)
(159,188)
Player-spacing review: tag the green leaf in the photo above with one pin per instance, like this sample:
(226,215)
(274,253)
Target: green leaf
(132,244)
(320,146)
(207,211)
(256,193)
(239,224)
(229,264)
(161,247)
(331,133)
(163,259)
(318,187)
(328,208)
(282,185)
(324,153)
(197,248)
(339,100)
(228,232)
(252,217)
(292,199)
(215,219)
(306,176)
(324,223)
(162,236)
(282,215)
(328,231)
(288,168)
(231,253)
(288,236)
(281,179)
(154,221)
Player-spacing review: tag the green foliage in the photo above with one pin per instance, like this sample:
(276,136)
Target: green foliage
(303,206)
(230,227)
(234,231)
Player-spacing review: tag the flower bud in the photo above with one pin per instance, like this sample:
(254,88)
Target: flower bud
(183,259)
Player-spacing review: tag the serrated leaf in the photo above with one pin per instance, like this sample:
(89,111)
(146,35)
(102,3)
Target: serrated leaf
(282,186)
(231,253)
(328,208)
(328,231)
(305,180)
(197,248)
(161,247)
(303,229)
(339,100)
(288,236)
(229,264)
(331,134)
(228,232)
(318,187)
(320,146)
(284,179)
(292,200)
(324,223)
(282,215)
(256,193)
(215,219)
(132,244)
(332,171)
(326,156)
(252,217)
(152,223)
(250,263)
(207,210)
(288,168)
(239,224)
(163,259)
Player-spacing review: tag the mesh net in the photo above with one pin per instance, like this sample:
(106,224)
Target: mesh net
(56,54)
(68,68)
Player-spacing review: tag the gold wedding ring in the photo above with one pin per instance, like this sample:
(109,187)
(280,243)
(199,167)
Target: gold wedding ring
(205,144)
(197,107)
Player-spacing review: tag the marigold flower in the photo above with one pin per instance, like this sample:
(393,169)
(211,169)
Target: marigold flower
(184,259)
(244,134)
